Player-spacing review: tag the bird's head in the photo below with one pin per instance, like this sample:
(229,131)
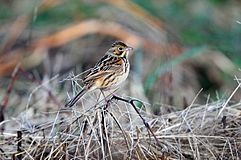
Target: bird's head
(119,49)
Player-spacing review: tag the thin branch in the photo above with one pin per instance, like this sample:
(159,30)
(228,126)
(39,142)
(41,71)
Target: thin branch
(132,102)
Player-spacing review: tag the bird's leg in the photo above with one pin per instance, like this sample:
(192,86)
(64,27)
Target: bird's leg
(103,95)
(99,96)
(108,101)
(105,98)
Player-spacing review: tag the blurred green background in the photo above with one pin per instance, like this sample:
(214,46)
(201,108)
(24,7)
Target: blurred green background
(181,47)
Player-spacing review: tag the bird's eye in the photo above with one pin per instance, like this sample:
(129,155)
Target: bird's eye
(120,49)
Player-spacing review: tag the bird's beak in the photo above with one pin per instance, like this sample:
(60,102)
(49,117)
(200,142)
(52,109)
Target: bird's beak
(129,48)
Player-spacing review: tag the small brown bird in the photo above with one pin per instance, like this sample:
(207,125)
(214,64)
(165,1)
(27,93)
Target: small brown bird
(109,72)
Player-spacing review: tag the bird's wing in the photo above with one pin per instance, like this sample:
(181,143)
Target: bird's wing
(96,75)
(107,65)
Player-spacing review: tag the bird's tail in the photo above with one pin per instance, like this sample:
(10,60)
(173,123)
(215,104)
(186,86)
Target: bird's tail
(74,100)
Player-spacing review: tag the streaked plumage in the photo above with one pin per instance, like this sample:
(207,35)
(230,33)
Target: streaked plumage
(109,72)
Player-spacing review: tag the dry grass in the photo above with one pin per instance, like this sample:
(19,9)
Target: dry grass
(39,128)
(92,132)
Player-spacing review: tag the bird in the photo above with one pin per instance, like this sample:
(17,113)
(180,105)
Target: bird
(108,73)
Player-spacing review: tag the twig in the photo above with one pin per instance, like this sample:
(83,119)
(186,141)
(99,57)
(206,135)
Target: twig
(8,91)
(132,102)
(19,145)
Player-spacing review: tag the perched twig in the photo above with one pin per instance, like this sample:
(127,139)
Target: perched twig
(132,102)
